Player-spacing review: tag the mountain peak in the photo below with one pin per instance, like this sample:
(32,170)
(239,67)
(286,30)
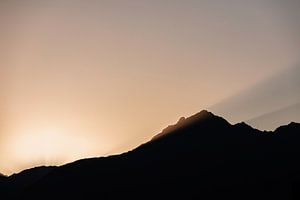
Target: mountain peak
(204,114)
(184,122)
(291,125)
(243,125)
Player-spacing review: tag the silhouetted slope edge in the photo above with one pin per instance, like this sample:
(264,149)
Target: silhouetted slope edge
(183,122)
(200,157)
(2,179)
(16,183)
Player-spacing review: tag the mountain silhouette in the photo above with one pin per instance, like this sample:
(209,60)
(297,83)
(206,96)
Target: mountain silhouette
(16,183)
(2,178)
(200,157)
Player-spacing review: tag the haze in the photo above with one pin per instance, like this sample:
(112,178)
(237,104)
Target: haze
(92,78)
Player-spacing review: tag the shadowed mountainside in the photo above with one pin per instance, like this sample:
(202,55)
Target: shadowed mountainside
(2,185)
(2,178)
(202,156)
(16,183)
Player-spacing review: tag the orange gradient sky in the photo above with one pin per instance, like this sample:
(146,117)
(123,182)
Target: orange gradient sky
(92,78)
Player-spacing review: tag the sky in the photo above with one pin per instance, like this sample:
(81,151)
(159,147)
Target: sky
(94,78)
(266,105)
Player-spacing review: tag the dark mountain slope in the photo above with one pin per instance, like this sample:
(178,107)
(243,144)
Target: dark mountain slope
(2,179)
(16,183)
(202,156)
(2,183)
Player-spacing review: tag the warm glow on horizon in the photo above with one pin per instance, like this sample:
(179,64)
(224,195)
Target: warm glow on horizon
(93,78)
(46,146)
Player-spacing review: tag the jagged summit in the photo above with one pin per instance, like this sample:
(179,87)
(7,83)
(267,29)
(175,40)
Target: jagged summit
(291,125)
(244,126)
(181,123)
(205,113)
(203,116)
(208,118)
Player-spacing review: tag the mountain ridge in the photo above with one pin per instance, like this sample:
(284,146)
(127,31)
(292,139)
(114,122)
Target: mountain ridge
(165,131)
(196,157)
